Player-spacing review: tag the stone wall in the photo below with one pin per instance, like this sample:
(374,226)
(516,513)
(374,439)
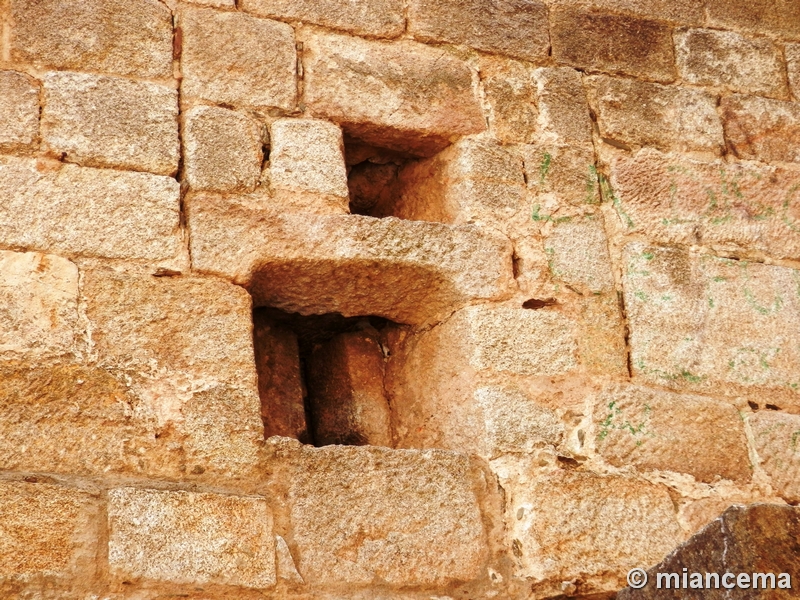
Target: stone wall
(391,299)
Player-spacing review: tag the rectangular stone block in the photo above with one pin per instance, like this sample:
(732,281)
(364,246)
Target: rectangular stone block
(728,60)
(559,177)
(402,95)
(777,444)
(75,210)
(602,341)
(761,128)
(741,208)
(233,58)
(111,122)
(771,17)
(511,97)
(634,113)
(704,323)
(516,28)
(563,109)
(19,111)
(190,538)
(675,11)
(577,251)
(612,43)
(374,18)
(793,64)
(122,37)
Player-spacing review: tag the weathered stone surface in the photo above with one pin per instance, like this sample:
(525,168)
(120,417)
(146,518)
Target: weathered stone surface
(111,122)
(578,255)
(559,176)
(793,64)
(677,11)
(635,113)
(612,43)
(113,36)
(374,18)
(192,538)
(233,58)
(46,530)
(731,61)
(91,212)
(652,429)
(222,150)
(516,28)
(563,109)
(781,17)
(740,543)
(38,304)
(307,170)
(762,129)
(602,337)
(403,95)
(510,94)
(409,272)
(19,111)
(704,323)
(361,514)
(740,207)
(777,443)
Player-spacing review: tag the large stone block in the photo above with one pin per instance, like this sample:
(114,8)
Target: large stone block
(191,538)
(675,11)
(19,111)
(559,176)
(563,110)
(793,65)
(653,429)
(761,128)
(111,122)
(233,58)
(90,212)
(511,98)
(777,443)
(111,36)
(704,323)
(739,207)
(772,17)
(516,28)
(612,43)
(602,341)
(401,95)
(635,113)
(577,252)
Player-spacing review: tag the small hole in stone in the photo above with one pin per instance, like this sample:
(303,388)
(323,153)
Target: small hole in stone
(772,407)
(536,304)
(373,178)
(752,405)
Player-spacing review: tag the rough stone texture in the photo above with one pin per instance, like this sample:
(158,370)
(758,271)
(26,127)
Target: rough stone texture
(191,538)
(602,341)
(776,17)
(307,169)
(510,94)
(677,11)
(777,443)
(762,129)
(346,395)
(612,43)
(19,111)
(38,304)
(89,212)
(559,176)
(563,110)
(111,122)
(578,255)
(233,58)
(761,538)
(652,429)
(704,323)
(406,271)
(403,95)
(634,113)
(222,150)
(738,207)
(517,28)
(730,61)
(390,533)
(373,18)
(793,64)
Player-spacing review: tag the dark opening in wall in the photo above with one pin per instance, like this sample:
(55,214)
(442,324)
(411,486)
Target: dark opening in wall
(373,176)
(320,377)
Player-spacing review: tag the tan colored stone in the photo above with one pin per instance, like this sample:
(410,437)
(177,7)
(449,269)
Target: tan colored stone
(233,58)
(409,272)
(731,61)
(222,150)
(652,429)
(192,538)
(38,304)
(762,129)
(90,212)
(284,563)
(19,111)
(122,37)
(111,122)
(678,11)
(510,94)
(374,18)
(46,530)
(217,3)
(402,95)
(777,17)
(563,109)
(517,28)
(307,169)
(578,253)
(704,323)
(793,65)
(777,443)
(602,335)
(612,43)
(739,207)
(634,113)
(366,514)
(559,176)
